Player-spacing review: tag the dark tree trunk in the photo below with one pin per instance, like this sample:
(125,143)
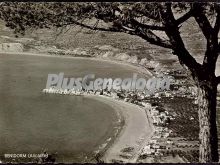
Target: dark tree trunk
(208,151)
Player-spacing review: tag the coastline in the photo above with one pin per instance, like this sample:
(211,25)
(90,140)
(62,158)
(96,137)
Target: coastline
(135,133)
(139,68)
(136,130)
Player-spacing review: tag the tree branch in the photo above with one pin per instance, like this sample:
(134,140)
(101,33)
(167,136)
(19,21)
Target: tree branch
(184,18)
(143,33)
(147,14)
(173,33)
(149,36)
(153,38)
(130,30)
(211,35)
(217,23)
(93,27)
(150,27)
(202,20)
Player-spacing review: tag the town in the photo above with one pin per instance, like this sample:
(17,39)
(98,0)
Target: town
(163,142)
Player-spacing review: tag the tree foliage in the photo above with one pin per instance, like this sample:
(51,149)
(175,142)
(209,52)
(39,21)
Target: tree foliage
(135,18)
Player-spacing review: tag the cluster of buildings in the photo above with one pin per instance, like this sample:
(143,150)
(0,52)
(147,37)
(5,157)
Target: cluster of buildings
(160,118)
(132,96)
(160,141)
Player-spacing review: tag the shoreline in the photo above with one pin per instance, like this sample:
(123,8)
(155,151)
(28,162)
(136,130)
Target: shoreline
(137,129)
(139,68)
(134,133)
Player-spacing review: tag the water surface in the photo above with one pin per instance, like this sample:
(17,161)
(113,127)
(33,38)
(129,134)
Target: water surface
(31,122)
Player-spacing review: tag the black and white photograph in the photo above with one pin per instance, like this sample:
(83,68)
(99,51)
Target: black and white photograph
(109,82)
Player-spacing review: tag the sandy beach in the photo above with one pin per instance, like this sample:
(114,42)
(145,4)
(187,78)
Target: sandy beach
(136,132)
